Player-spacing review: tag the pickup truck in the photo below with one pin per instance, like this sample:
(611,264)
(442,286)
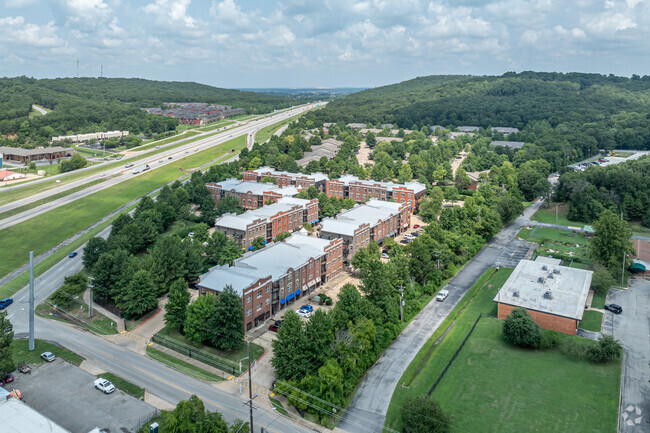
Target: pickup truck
(104,386)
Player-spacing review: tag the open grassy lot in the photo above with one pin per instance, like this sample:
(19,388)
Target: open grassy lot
(486,385)
(591,321)
(153,144)
(266,133)
(547,215)
(217,125)
(179,228)
(545,234)
(77,314)
(182,366)
(123,385)
(49,229)
(22,353)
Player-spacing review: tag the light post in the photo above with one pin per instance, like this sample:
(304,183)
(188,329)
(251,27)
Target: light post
(401,303)
(90,299)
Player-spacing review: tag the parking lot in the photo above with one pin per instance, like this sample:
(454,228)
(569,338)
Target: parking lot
(65,393)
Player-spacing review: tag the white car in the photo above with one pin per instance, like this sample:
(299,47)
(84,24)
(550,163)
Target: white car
(103,173)
(442,295)
(48,356)
(104,386)
(303,313)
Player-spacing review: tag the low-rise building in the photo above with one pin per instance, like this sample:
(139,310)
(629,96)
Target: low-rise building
(349,186)
(285,178)
(329,148)
(510,144)
(554,295)
(80,138)
(505,130)
(275,277)
(287,215)
(18,417)
(6,175)
(376,220)
(18,154)
(251,195)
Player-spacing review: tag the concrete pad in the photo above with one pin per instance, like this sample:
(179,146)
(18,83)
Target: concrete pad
(156,402)
(91,368)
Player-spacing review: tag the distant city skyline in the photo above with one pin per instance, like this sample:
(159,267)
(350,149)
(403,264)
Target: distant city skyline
(320,43)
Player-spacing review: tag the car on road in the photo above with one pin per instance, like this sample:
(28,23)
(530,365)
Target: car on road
(103,173)
(160,162)
(614,308)
(442,295)
(8,378)
(157,147)
(104,386)
(48,356)
(307,307)
(303,313)
(275,326)
(129,165)
(5,303)
(169,157)
(73,254)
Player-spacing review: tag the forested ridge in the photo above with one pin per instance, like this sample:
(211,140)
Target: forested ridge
(98,104)
(612,110)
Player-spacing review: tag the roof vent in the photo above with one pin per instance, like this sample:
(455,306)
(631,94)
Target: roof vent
(556,271)
(544,268)
(548,295)
(515,294)
(550,276)
(540,280)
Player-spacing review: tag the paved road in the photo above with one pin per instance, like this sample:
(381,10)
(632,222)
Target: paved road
(39,109)
(632,329)
(120,174)
(372,399)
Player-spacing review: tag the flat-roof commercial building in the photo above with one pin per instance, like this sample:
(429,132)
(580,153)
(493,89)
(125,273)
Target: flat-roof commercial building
(374,221)
(42,153)
(285,178)
(79,138)
(18,417)
(251,195)
(275,277)
(349,186)
(555,296)
(287,215)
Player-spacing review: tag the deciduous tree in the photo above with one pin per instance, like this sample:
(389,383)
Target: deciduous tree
(176,307)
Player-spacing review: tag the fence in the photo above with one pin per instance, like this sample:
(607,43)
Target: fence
(435,384)
(200,355)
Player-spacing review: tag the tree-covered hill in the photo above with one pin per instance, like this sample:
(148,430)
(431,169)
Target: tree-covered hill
(616,110)
(95,104)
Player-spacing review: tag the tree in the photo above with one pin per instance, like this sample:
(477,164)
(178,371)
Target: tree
(462,180)
(282,236)
(423,415)
(521,330)
(258,243)
(176,307)
(168,261)
(221,250)
(7,364)
(194,259)
(75,162)
(140,298)
(371,140)
(197,317)
(605,350)
(289,357)
(610,242)
(602,280)
(431,205)
(95,247)
(229,204)
(509,208)
(201,232)
(226,324)
(109,273)
(190,416)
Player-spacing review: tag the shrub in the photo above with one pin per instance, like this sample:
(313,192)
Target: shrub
(549,339)
(521,330)
(422,415)
(605,350)
(328,301)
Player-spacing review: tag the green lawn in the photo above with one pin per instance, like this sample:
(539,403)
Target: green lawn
(591,321)
(278,406)
(637,228)
(485,375)
(266,133)
(220,124)
(495,387)
(182,366)
(77,314)
(545,234)
(179,228)
(153,144)
(44,231)
(547,215)
(123,385)
(599,299)
(22,353)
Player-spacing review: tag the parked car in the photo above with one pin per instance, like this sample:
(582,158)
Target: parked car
(190,234)
(193,285)
(72,255)
(405,241)
(104,386)
(5,303)
(48,356)
(8,378)
(303,313)
(416,226)
(442,295)
(614,308)
(385,256)
(275,326)
(307,307)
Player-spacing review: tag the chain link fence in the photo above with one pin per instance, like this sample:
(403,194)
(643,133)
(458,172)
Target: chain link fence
(208,358)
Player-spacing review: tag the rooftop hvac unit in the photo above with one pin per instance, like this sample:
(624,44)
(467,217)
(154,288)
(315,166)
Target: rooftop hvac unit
(540,280)
(515,294)
(548,295)
(550,276)
(556,271)
(544,268)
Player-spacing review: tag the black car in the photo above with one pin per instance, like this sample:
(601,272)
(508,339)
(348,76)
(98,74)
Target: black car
(274,327)
(614,308)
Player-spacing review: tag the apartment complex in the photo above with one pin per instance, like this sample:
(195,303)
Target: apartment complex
(251,195)
(374,221)
(275,277)
(349,186)
(287,215)
(284,178)
(195,113)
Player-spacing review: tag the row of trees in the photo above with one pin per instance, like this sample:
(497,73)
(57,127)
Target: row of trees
(75,162)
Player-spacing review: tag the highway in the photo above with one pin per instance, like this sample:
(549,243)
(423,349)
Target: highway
(120,174)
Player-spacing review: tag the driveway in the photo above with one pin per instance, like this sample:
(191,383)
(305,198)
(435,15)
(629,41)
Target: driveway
(632,329)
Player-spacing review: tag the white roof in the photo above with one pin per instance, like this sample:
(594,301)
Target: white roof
(317,177)
(256,188)
(17,417)
(331,225)
(370,213)
(415,186)
(530,280)
(240,222)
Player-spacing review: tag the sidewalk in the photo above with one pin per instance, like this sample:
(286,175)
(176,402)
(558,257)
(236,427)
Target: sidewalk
(119,322)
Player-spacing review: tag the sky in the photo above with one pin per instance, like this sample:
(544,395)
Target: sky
(320,43)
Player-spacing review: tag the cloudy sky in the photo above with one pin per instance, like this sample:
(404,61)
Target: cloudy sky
(308,43)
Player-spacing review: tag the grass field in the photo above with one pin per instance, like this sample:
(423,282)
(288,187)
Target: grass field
(179,228)
(182,366)
(545,234)
(495,387)
(278,406)
(123,385)
(638,229)
(547,215)
(153,144)
(77,315)
(487,399)
(266,133)
(49,229)
(599,299)
(591,321)
(22,353)
(217,125)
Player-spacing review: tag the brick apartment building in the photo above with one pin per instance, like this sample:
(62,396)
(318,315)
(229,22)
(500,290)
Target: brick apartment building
(554,295)
(349,186)
(251,195)
(18,154)
(285,178)
(376,220)
(287,215)
(277,276)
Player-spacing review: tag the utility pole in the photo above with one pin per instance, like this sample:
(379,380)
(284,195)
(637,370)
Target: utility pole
(556,218)
(623,269)
(90,302)
(250,385)
(31,301)
(401,303)
(77,67)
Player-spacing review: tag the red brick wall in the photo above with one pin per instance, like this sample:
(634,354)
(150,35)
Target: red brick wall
(545,320)
(334,188)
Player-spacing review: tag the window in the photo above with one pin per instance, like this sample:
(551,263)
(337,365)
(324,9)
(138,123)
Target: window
(268,289)
(268,301)
(249,312)
(259,307)
(259,294)
(249,298)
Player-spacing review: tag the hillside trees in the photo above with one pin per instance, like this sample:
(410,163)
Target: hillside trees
(610,243)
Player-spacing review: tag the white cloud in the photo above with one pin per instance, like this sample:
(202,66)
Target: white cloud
(18,4)
(170,14)
(15,30)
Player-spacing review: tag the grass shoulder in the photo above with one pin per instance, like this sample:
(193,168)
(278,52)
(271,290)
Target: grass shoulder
(182,366)
(33,358)
(123,385)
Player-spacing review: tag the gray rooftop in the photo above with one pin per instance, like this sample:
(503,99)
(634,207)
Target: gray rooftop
(370,213)
(510,144)
(239,222)
(256,188)
(28,152)
(505,129)
(415,186)
(530,280)
(549,260)
(17,417)
(317,177)
(468,128)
